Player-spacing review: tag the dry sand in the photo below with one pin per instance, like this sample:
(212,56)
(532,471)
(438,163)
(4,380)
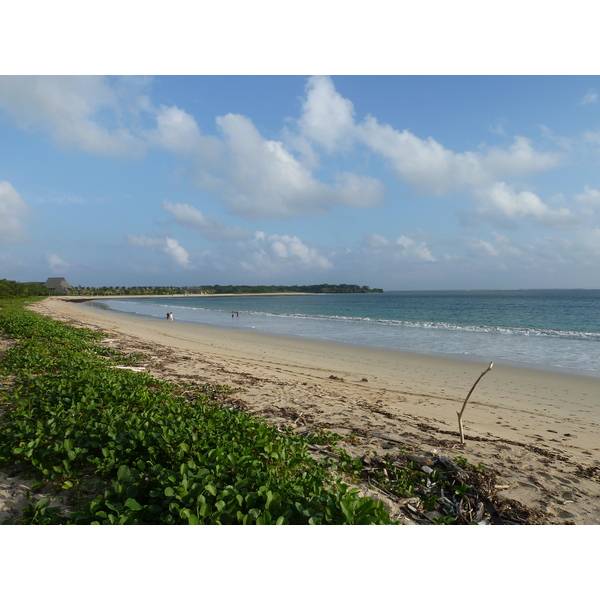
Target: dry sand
(537,430)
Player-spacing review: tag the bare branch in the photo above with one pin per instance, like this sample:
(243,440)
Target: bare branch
(460,414)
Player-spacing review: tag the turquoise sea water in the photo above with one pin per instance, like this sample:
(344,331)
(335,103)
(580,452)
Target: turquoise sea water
(548,329)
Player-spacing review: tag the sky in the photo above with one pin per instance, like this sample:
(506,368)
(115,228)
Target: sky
(397,182)
(433,146)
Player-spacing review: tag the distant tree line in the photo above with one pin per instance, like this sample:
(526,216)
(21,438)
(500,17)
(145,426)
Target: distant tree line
(322,288)
(14,289)
(110,290)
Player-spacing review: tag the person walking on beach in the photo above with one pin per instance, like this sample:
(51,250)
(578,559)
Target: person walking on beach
(169,316)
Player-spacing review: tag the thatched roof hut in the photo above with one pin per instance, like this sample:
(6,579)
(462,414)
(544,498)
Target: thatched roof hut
(57,284)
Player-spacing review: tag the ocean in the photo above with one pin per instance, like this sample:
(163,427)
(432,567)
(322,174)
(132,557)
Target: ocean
(544,329)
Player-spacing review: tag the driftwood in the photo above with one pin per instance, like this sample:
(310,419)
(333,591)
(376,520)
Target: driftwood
(462,410)
(390,438)
(323,450)
(449,465)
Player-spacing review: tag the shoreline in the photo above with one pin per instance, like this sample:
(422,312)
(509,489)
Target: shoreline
(447,355)
(78,299)
(536,429)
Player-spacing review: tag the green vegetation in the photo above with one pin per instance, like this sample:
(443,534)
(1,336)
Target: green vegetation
(13,289)
(323,288)
(110,290)
(124,448)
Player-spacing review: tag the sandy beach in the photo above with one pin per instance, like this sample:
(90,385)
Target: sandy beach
(537,430)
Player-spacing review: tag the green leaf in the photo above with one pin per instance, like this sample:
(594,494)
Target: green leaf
(42,503)
(133,504)
(123,473)
(116,506)
(169,492)
(269,499)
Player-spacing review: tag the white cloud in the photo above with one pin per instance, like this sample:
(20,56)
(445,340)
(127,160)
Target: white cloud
(590,98)
(484,248)
(275,254)
(176,130)
(356,191)
(374,240)
(254,176)
(168,245)
(13,212)
(56,264)
(327,117)
(517,160)
(590,197)
(563,142)
(581,252)
(85,112)
(591,141)
(416,250)
(177,253)
(505,245)
(211,227)
(403,248)
(428,165)
(501,200)
(263,254)
(265,180)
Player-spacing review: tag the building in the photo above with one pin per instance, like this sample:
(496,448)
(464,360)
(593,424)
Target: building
(57,284)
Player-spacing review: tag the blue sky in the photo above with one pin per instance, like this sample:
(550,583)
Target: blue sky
(400,182)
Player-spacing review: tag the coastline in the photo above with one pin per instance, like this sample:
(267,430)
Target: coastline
(79,299)
(501,349)
(536,429)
